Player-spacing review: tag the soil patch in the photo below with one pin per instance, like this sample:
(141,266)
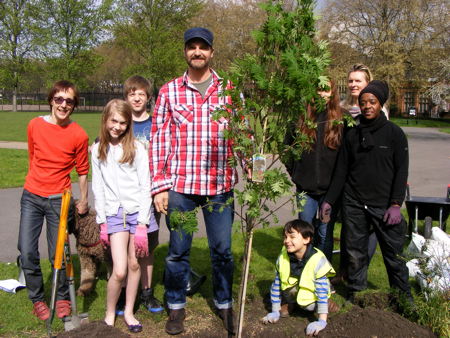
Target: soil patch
(376,319)
(372,322)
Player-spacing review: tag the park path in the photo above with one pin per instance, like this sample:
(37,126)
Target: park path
(13,145)
(429,175)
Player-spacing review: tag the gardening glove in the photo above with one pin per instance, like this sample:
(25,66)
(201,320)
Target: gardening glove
(271,317)
(141,241)
(104,237)
(315,327)
(392,215)
(325,212)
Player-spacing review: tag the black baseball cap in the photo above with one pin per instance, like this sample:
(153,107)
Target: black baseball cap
(199,33)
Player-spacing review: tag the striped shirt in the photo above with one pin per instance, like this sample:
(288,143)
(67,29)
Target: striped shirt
(188,151)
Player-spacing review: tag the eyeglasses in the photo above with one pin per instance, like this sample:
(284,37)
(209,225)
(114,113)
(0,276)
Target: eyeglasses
(60,100)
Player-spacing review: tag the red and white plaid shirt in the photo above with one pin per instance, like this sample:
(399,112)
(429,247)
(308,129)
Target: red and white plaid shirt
(188,152)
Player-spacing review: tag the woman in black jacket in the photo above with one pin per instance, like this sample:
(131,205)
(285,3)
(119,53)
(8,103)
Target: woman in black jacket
(312,172)
(372,170)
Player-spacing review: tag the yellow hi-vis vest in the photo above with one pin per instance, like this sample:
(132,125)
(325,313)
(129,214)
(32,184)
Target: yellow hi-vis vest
(316,267)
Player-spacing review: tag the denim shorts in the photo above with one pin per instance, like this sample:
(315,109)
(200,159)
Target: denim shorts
(122,222)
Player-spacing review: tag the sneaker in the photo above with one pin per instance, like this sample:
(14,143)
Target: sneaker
(63,308)
(228,319)
(150,302)
(41,310)
(174,324)
(120,306)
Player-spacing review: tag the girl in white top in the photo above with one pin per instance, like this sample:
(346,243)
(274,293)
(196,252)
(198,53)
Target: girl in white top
(121,186)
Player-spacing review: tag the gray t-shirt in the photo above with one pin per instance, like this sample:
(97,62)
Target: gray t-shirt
(202,87)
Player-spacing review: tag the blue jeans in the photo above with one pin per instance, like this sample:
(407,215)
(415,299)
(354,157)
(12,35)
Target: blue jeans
(33,210)
(323,232)
(218,229)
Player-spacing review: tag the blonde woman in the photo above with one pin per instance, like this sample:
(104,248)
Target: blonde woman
(358,77)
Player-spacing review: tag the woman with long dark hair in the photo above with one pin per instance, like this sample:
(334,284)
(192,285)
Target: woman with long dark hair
(312,172)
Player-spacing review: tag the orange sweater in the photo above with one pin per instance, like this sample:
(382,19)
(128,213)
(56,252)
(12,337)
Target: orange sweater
(53,152)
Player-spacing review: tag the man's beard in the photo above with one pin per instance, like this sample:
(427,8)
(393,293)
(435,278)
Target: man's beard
(193,65)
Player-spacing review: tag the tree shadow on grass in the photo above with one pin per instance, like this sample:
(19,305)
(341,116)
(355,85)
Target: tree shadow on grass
(268,246)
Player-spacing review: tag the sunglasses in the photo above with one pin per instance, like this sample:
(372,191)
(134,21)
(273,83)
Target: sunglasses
(60,100)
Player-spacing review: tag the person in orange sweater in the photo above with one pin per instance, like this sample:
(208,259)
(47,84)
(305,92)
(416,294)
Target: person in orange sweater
(56,145)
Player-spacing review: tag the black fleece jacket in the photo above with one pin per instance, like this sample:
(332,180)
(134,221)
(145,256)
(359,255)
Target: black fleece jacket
(372,164)
(312,172)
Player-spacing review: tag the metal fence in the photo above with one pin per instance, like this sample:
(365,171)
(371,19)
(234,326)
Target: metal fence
(89,101)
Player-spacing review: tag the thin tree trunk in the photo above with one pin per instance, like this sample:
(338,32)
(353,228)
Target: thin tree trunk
(14,100)
(244,280)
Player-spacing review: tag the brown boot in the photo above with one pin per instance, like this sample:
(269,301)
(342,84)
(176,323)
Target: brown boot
(174,324)
(333,306)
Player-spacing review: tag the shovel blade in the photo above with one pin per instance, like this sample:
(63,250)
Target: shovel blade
(73,322)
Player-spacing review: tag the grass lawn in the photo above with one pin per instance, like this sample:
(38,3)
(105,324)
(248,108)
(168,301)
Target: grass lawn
(14,167)
(422,123)
(17,321)
(14,125)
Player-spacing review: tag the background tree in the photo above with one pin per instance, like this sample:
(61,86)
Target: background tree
(70,30)
(112,72)
(400,40)
(439,91)
(17,42)
(232,23)
(152,32)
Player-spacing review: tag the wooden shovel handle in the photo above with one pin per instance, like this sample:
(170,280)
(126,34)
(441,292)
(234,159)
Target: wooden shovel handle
(62,229)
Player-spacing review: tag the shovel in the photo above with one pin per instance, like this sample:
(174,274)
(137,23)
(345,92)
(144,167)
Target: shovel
(63,252)
(59,253)
(74,321)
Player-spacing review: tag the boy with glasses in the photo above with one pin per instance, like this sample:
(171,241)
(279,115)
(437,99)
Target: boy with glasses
(56,144)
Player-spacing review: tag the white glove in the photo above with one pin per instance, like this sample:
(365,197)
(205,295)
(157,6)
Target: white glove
(271,317)
(315,327)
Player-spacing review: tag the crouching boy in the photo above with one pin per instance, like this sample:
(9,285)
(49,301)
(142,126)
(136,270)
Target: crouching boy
(302,273)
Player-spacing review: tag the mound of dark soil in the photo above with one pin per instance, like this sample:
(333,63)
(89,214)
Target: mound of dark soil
(357,322)
(372,322)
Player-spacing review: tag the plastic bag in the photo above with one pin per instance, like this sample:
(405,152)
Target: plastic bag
(431,268)
(439,235)
(416,244)
(413,267)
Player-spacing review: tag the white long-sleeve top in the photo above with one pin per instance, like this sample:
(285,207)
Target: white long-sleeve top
(116,184)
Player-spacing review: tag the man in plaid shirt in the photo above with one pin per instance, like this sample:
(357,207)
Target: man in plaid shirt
(189,164)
